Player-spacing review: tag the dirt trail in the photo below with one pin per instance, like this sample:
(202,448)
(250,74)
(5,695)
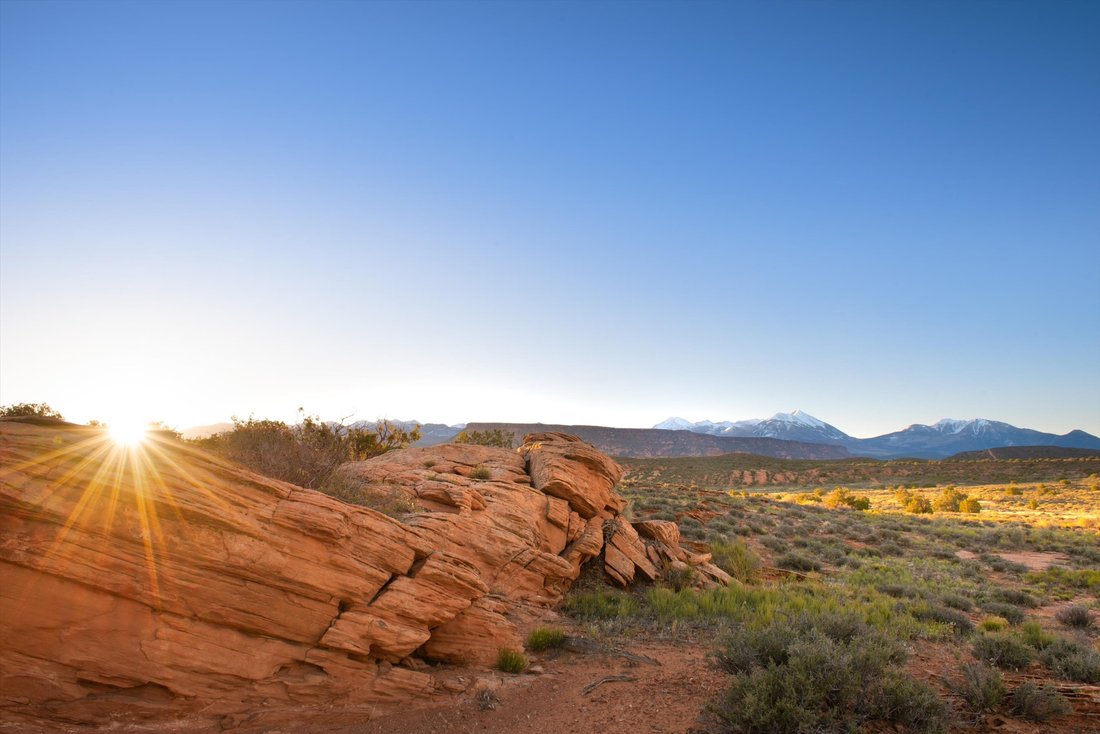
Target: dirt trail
(668,697)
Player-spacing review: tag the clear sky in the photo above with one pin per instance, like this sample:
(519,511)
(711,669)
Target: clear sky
(581,212)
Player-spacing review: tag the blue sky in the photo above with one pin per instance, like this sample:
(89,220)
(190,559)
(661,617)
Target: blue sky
(880,213)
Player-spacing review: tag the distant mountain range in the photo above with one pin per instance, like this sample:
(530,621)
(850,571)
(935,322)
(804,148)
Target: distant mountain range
(794,435)
(943,439)
(651,442)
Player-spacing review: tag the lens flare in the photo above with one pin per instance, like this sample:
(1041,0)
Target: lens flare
(127,432)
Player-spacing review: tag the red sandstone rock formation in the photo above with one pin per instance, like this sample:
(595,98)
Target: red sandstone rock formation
(163,584)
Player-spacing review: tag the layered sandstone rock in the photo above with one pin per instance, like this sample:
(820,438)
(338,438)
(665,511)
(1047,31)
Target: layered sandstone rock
(163,583)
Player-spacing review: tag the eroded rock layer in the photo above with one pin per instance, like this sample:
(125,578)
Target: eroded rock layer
(161,583)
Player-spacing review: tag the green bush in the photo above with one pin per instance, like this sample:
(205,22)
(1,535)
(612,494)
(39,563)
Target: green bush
(1015,596)
(825,672)
(735,558)
(1035,703)
(511,661)
(796,562)
(1033,635)
(981,686)
(1076,615)
(918,505)
(958,621)
(948,500)
(1002,650)
(993,624)
(971,506)
(1012,613)
(1072,660)
(957,601)
(544,638)
(842,497)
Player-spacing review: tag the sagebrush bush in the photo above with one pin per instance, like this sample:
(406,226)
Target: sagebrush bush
(957,601)
(821,673)
(1012,613)
(958,621)
(544,638)
(1016,597)
(981,686)
(1002,650)
(1038,703)
(1077,615)
(796,562)
(1072,660)
(511,661)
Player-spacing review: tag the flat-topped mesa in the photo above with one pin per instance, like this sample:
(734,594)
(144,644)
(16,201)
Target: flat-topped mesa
(165,582)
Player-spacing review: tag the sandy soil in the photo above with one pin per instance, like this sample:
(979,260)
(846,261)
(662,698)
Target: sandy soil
(1034,560)
(667,696)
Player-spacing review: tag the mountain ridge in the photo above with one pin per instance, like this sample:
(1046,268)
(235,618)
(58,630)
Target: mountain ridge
(944,438)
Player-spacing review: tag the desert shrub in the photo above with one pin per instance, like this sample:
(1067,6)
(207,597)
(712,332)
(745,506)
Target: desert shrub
(1038,703)
(958,621)
(797,562)
(511,661)
(1032,634)
(544,638)
(497,437)
(821,673)
(993,624)
(957,601)
(842,497)
(1015,596)
(735,558)
(307,453)
(1076,615)
(29,410)
(899,591)
(948,500)
(773,543)
(918,505)
(901,699)
(971,506)
(981,686)
(1002,650)
(1012,613)
(1013,491)
(1072,660)
(481,473)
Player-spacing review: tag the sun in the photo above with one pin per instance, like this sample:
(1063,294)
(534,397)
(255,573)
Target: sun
(127,432)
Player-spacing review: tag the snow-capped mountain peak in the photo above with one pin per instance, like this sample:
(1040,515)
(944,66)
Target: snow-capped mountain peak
(796,425)
(953,425)
(675,424)
(799,417)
